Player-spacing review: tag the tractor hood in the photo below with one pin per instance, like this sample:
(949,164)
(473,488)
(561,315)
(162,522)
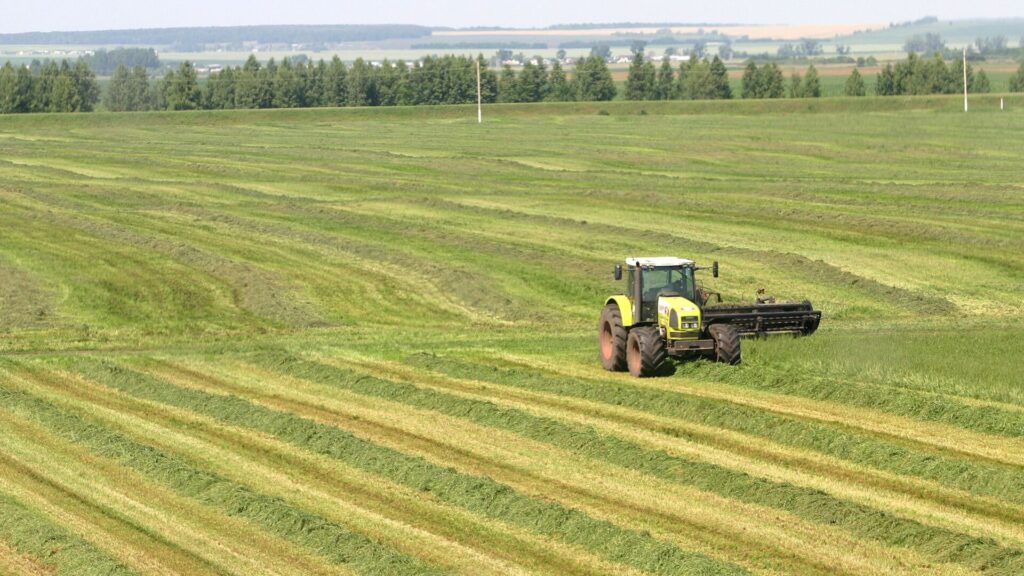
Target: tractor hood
(680,317)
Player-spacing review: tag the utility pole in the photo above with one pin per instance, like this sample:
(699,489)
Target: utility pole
(965,79)
(479,96)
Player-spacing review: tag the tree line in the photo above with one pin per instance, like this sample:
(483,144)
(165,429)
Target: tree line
(697,79)
(49,87)
(67,87)
(433,80)
(916,75)
(707,80)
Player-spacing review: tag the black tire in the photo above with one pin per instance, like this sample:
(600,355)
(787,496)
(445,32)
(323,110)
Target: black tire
(727,343)
(645,352)
(611,339)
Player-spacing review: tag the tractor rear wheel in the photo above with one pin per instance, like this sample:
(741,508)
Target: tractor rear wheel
(727,343)
(611,337)
(645,352)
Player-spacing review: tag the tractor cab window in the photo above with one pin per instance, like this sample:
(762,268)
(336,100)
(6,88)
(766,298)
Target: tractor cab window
(676,281)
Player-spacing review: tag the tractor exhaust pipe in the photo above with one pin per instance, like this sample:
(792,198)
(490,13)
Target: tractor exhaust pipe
(638,294)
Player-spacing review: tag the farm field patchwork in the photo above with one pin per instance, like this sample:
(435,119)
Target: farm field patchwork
(362,341)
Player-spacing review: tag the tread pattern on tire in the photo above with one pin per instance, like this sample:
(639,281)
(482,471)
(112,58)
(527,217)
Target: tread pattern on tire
(612,315)
(727,343)
(648,343)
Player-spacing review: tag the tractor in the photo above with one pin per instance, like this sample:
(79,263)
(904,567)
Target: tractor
(665,313)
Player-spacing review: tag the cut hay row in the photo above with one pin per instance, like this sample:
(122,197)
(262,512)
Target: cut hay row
(980,478)
(152,530)
(332,541)
(844,411)
(927,502)
(389,512)
(691,518)
(807,503)
(15,563)
(475,493)
(32,544)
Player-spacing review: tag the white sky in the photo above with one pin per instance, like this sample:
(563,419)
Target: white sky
(47,15)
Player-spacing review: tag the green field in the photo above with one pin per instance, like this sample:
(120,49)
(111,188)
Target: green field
(362,341)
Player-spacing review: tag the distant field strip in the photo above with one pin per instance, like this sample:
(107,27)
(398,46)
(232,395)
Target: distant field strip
(361,342)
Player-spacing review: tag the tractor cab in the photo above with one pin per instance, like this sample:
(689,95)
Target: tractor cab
(654,278)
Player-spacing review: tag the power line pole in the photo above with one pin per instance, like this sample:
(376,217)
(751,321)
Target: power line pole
(479,96)
(965,79)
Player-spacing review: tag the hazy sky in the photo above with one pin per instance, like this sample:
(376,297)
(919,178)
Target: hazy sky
(27,15)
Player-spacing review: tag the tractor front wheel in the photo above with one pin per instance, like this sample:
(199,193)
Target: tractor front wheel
(727,343)
(645,352)
(611,337)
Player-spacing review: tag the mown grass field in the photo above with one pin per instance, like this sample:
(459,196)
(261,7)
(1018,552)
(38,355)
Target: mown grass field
(362,341)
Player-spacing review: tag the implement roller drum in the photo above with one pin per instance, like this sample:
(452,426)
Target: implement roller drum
(799,318)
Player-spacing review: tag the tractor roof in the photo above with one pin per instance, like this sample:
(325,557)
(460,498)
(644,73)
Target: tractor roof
(658,261)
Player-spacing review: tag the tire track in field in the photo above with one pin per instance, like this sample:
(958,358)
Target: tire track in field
(445,439)
(477,493)
(920,500)
(241,454)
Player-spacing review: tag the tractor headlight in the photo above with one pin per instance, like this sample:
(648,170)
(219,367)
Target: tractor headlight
(690,323)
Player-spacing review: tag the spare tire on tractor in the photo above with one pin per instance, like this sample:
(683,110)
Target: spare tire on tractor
(611,338)
(645,352)
(727,343)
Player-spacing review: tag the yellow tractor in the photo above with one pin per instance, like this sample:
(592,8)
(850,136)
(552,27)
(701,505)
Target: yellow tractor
(664,313)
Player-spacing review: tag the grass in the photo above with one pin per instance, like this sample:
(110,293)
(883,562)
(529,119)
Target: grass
(361,341)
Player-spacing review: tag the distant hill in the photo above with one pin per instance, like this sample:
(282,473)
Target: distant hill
(300,34)
(952,31)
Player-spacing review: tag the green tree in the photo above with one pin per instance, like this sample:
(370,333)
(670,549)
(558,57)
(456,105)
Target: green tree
(138,91)
(314,78)
(250,91)
(796,86)
(640,84)
(559,88)
(682,89)
(289,91)
(42,91)
(771,82)
(86,86)
(720,79)
(65,96)
(812,85)
(182,88)
(594,81)
(981,83)
(336,83)
(9,96)
(508,86)
(886,83)
(750,83)
(117,98)
(533,83)
(1017,80)
(855,84)
(665,85)
(219,92)
(937,78)
(362,86)
(489,81)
